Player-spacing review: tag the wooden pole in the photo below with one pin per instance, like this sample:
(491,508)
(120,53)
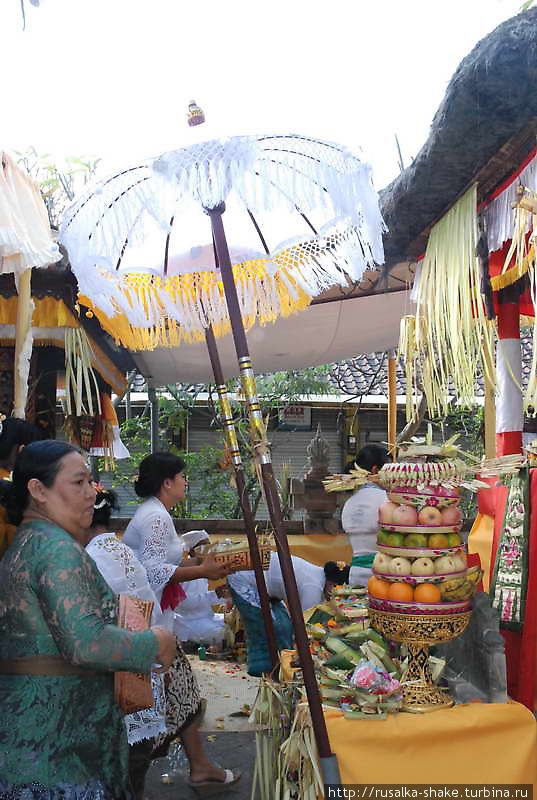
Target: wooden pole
(240,480)
(392,404)
(328,761)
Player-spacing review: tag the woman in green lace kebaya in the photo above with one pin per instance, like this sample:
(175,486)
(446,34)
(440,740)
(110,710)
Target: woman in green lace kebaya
(61,732)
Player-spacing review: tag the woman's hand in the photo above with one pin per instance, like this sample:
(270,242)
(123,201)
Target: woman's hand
(213,569)
(167,647)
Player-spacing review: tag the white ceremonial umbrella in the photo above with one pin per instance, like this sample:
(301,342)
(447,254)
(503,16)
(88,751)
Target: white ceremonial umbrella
(301,216)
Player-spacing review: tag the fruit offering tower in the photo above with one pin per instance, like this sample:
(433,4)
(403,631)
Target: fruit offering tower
(421,589)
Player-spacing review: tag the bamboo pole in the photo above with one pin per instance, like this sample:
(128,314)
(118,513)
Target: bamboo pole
(392,404)
(23,343)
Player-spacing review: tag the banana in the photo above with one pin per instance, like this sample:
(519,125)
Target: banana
(461,588)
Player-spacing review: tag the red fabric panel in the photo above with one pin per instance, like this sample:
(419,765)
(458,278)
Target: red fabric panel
(508,321)
(508,443)
(486,498)
(496,262)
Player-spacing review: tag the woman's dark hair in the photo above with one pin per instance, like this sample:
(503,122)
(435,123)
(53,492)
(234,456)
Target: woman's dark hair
(105,502)
(372,456)
(16,432)
(154,470)
(39,460)
(336,574)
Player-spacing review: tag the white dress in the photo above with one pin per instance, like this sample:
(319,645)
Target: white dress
(152,536)
(360,521)
(125,575)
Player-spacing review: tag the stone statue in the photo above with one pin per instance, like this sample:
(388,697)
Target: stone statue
(309,493)
(318,452)
(475,661)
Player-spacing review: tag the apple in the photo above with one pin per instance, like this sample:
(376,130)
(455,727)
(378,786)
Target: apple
(446,564)
(423,566)
(438,541)
(429,515)
(404,515)
(400,566)
(415,540)
(454,540)
(451,515)
(382,563)
(395,539)
(382,537)
(386,512)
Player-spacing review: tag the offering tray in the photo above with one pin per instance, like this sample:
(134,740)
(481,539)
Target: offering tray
(417,632)
(417,552)
(421,528)
(413,580)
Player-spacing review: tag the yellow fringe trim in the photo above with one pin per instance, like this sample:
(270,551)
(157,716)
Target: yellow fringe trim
(514,273)
(190,290)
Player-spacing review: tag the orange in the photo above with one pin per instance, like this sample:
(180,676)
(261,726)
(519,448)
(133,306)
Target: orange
(401,592)
(427,593)
(377,587)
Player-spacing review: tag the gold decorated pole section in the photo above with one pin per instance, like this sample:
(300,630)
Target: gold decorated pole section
(258,433)
(228,424)
(240,482)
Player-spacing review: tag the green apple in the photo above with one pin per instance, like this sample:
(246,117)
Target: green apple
(395,539)
(382,537)
(454,539)
(415,540)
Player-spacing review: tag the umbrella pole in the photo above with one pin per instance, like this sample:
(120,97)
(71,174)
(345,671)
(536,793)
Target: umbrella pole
(249,520)
(328,761)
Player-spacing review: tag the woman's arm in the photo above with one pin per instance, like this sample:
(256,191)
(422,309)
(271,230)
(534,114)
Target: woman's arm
(67,585)
(209,568)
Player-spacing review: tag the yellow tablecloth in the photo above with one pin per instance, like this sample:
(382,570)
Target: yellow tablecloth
(475,743)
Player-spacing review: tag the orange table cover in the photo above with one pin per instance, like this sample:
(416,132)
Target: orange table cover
(475,743)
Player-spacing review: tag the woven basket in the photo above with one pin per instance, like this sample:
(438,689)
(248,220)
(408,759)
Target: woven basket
(240,560)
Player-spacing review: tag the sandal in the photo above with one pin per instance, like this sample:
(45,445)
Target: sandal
(214,787)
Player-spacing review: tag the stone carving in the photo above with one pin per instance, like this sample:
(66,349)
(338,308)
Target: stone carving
(475,662)
(309,493)
(318,452)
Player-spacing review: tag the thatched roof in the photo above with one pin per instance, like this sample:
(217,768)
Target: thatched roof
(490,99)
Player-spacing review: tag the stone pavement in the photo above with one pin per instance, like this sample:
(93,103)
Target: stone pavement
(229,740)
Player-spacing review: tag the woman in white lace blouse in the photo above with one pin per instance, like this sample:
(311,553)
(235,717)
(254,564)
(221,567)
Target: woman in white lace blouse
(152,536)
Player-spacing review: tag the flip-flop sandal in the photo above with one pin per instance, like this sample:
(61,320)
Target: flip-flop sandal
(214,787)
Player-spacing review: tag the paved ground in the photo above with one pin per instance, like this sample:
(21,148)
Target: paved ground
(229,740)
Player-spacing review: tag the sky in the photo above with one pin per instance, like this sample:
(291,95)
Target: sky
(113,78)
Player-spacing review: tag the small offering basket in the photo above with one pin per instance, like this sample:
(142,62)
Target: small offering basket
(418,632)
(236,555)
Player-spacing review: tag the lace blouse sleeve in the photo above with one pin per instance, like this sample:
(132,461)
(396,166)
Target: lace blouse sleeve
(67,585)
(155,553)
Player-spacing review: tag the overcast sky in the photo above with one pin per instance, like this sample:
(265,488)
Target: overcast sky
(113,78)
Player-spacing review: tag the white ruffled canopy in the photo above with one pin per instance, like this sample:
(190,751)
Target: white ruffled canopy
(301,215)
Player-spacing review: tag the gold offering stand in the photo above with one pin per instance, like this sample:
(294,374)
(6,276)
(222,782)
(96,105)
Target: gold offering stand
(418,632)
